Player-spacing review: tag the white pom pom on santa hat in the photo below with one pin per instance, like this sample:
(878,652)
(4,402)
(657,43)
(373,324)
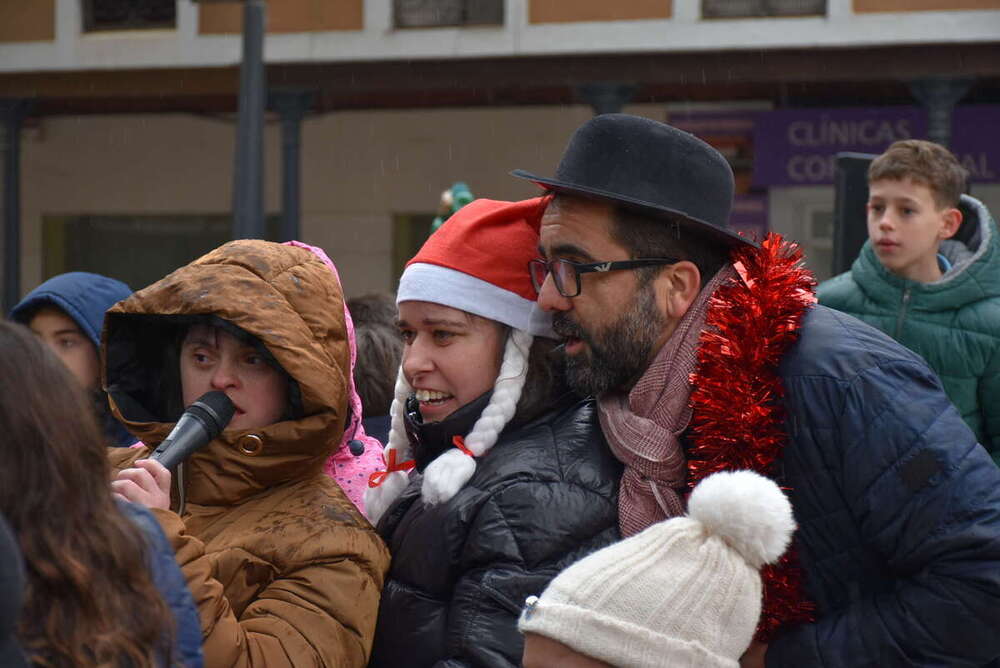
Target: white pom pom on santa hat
(748,511)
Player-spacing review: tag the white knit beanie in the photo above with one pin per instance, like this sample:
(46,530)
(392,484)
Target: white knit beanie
(476,262)
(684,593)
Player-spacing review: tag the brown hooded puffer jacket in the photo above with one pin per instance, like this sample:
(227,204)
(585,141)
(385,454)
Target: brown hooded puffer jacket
(283,568)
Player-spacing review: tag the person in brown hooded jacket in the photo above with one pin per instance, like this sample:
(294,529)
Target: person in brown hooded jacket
(284,569)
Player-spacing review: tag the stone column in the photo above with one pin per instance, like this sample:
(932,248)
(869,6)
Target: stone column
(939,95)
(12,113)
(606,97)
(248,172)
(292,106)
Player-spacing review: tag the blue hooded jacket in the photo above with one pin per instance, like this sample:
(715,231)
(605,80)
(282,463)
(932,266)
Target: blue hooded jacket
(84,297)
(170,582)
(12,579)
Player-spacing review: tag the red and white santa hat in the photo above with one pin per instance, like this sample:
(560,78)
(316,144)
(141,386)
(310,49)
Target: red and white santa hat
(476,262)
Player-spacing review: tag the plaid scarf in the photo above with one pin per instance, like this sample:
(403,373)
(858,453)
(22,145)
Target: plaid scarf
(643,427)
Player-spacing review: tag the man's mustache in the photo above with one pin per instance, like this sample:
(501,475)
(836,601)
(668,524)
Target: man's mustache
(564,327)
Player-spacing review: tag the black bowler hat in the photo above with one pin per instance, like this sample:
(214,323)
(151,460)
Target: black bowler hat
(650,167)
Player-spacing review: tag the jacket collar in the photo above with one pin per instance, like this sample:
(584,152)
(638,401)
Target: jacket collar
(430,439)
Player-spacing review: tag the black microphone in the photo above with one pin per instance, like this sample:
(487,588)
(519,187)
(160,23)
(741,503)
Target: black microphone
(201,422)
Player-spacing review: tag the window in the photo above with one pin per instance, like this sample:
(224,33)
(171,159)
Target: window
(818,241)
(410,231)
(138,250)
(101,15)
(733,9)
(441,13)
(804,214)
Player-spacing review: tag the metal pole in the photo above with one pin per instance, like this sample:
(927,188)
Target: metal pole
(13,112)
(248,186)
(939,96)
(292,105)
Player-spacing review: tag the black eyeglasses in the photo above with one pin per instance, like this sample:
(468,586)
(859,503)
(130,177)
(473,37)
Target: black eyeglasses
(566,274)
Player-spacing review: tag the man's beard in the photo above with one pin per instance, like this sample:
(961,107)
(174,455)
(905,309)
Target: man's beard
(616,356)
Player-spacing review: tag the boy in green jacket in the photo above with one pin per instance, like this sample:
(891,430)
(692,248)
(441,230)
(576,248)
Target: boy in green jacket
(929,276)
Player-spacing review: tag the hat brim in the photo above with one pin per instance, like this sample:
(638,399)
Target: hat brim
(727,237)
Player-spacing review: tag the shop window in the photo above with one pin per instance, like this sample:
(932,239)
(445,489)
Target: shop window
(736,9)
(139,250)
(442,13)
(409,232)
(105,15)
(819,242)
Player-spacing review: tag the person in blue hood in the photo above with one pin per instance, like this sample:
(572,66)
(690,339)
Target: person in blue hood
(67,313)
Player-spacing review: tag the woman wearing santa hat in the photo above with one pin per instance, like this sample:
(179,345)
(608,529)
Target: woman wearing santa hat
(497,477)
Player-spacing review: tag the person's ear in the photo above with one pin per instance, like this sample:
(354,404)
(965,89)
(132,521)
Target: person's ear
(952,220)
(677,287)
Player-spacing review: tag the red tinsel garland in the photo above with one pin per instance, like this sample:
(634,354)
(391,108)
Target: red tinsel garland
(738,417)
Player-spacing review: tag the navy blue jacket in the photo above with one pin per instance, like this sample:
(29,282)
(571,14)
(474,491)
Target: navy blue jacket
(12,582)
(84,297)
(170,582)
(898,508)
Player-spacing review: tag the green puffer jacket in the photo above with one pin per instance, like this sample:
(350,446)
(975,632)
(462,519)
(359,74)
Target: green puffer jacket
(954,322)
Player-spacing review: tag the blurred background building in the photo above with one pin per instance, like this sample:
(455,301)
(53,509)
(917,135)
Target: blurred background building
(125,111)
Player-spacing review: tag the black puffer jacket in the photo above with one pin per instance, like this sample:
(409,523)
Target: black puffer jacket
(543,497)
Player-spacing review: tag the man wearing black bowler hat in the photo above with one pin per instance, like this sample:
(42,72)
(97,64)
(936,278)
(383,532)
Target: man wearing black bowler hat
(706,352)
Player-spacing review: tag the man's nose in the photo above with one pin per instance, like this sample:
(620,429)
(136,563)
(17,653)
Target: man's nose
(549,298)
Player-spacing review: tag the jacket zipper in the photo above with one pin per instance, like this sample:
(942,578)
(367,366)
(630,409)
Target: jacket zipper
(902,314)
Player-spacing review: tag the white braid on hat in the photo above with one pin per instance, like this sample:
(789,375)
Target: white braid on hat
(449,472)
(378,499)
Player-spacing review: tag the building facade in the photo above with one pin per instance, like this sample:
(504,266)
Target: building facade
(127,116)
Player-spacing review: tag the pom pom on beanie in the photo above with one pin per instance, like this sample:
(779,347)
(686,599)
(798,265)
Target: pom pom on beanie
(683,592)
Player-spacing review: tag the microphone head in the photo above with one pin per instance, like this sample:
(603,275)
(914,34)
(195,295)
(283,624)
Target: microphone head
(216,409)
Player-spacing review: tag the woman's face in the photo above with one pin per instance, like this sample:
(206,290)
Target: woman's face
(212,359)
(450,357)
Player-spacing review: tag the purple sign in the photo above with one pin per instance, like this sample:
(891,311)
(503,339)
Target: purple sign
(975,141)
(797,147)
(730,124)
(749,216)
